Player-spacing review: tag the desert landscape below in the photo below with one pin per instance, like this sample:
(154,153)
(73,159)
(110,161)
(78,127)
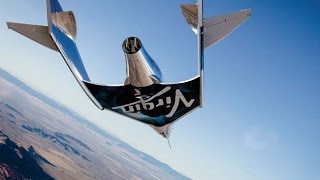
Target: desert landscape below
(42,139)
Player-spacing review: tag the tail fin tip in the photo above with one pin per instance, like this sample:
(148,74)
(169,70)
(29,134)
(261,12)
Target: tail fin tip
(190,13)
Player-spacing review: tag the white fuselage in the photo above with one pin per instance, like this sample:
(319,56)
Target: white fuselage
(141,70)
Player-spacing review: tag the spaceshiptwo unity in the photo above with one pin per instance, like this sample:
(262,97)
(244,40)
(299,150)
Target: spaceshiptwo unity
(143,96)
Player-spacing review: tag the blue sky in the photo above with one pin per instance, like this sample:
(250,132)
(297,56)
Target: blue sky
(261,116)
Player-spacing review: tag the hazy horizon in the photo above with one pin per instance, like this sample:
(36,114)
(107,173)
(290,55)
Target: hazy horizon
(261,112)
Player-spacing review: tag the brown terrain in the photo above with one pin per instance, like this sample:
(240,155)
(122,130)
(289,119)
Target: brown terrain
(41,139)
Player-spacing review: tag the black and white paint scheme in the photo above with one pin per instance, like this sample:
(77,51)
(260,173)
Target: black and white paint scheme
(143,96)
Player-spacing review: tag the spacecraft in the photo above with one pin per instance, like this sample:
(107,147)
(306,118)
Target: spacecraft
(143,96)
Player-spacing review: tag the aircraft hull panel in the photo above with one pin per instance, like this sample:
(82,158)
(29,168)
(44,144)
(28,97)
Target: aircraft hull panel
(157,104)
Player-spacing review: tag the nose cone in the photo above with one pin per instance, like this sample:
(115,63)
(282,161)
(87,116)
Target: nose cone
(164,131)
(131,45)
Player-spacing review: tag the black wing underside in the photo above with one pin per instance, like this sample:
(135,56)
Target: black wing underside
(157,104)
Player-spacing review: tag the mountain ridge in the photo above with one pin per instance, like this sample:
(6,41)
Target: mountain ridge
(20,163)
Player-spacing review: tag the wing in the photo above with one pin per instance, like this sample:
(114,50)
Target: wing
(216,27)
(36,33)
(157,104)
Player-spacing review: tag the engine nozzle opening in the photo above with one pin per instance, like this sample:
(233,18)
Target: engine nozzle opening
(131,45)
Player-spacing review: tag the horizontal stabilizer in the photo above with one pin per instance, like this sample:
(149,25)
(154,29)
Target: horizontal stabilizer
(218,27)
(39,34)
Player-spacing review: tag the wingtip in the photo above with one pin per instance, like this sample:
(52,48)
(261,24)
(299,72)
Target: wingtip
(248,11)
(9,25)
